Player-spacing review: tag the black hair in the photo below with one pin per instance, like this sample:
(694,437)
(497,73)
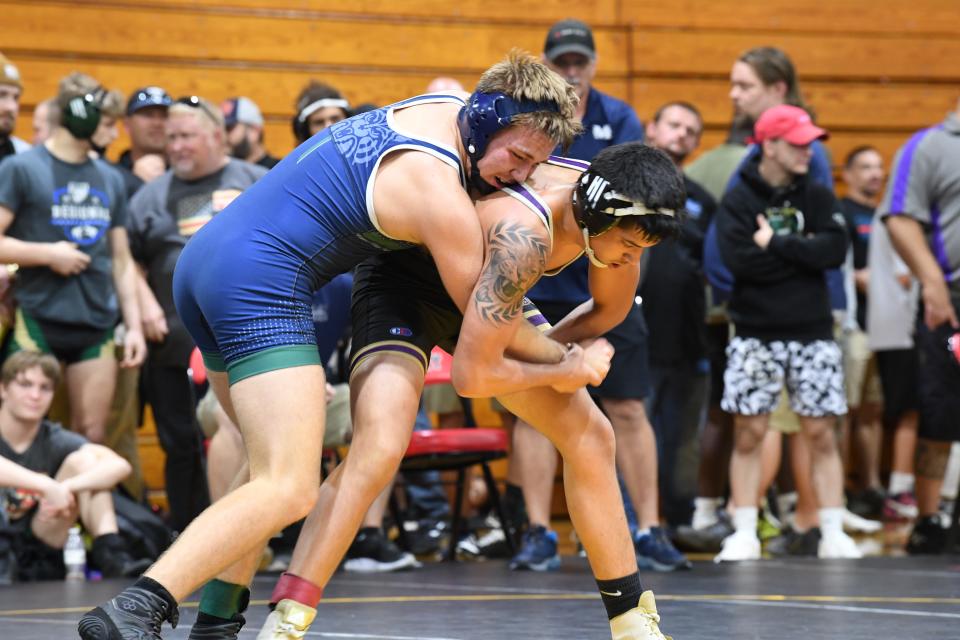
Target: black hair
(856,151)
(646,175)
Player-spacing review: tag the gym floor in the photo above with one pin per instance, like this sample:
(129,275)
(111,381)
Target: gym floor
(870,599)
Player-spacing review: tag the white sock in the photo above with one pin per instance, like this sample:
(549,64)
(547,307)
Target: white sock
(643,532)
(705,512)
(831,521)
(786,504)
(745,520)
(900,483)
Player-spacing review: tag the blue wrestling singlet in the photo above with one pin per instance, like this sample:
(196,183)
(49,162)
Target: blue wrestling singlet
(243,284)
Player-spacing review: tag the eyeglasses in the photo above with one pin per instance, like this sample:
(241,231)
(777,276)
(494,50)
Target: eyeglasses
(196,102)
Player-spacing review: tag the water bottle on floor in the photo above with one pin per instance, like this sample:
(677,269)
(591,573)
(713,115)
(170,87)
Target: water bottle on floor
(75,555)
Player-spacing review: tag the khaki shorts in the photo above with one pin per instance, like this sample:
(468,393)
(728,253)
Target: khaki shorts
(441,398)
(783,418)
(861,376)
(337,433)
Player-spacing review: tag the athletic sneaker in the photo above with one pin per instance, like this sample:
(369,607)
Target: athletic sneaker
(900,507)
(929,536)
(538,551)
(792,543)
(867,503)
(373,552)
(768,525)
(655,551)
(288,621)
(134,613)
(210,628)
(852,523)
(640,623)
(838,545)
(707,540)
(111,556)
(742,545)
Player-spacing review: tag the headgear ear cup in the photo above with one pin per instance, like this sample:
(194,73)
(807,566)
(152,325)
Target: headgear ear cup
(482,117)
(81,116)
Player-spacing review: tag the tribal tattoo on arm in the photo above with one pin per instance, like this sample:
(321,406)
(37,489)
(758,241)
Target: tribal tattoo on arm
(516,258)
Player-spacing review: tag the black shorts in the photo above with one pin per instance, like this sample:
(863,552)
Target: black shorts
(399,305)
(629,376)
(939,383)
(898,379)
(717,339)
(69,344)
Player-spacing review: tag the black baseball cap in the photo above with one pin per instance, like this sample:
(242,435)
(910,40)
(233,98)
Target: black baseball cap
(148,97)
(569,36)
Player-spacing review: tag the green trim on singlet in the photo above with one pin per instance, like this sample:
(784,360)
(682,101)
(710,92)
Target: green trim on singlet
(106,349)
(213,362)
(285,357)
(27,335)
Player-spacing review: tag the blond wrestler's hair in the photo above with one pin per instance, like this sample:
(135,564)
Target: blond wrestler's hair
(523,77)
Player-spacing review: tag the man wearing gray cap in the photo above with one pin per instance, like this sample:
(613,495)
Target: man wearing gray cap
(145,120)
(10,88)
(245,131)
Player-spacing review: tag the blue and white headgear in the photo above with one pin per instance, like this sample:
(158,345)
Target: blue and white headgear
(483,116)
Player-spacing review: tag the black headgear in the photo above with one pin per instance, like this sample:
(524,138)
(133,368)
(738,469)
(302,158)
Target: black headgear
(301,129)
(598,207)
(81,115)
(483,116)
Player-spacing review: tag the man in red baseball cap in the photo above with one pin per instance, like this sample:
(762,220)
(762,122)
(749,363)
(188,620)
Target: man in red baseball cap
(779,232)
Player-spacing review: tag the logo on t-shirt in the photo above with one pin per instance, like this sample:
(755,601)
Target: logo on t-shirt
(602,132)
(82,211)
(785,220)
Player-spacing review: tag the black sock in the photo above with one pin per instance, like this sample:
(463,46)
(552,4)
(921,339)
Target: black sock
(154,587)
(620,595)
(208,620)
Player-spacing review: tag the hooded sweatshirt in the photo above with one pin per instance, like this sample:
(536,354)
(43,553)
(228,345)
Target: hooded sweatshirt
(781,292)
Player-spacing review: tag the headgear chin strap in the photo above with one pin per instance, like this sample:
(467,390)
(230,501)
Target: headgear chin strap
(587,249)
(482,117)
(598,208)
(81,116)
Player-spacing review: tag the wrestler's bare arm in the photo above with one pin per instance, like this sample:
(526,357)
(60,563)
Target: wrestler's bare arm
(516,254)
(612,292)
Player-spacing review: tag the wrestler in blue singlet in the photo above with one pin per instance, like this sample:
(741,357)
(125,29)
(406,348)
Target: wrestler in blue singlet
(244,282)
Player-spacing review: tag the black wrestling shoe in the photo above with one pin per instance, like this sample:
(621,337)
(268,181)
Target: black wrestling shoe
(135,614)
(213,628)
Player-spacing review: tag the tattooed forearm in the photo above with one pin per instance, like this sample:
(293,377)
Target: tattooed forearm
(516,258)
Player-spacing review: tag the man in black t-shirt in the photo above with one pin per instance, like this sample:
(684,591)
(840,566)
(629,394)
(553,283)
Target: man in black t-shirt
(674,305)
(52,478)
(245,132)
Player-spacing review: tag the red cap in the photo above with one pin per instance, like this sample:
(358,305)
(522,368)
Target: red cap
(791,123)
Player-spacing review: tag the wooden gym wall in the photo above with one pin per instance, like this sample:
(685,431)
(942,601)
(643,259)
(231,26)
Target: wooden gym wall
(874,70)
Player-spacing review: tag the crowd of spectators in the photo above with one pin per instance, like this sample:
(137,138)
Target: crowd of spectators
(784,323)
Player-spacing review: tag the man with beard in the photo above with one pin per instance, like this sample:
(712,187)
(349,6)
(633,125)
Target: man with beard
(245,131)
(145,121)
(10,90)
(863,175)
